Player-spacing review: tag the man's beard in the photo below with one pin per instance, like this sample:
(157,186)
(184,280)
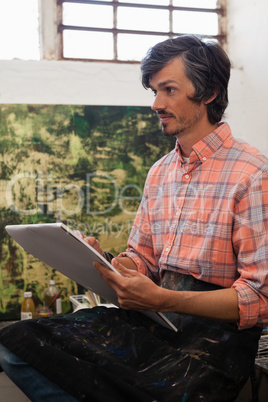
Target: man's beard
(182,126)
(172,133)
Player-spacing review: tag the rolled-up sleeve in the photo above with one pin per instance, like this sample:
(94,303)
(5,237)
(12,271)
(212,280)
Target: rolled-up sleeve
(250,240)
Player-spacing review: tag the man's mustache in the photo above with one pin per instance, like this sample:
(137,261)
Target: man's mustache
(164,113)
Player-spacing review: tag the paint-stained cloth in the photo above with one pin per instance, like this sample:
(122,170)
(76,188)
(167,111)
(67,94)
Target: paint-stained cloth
(110,354)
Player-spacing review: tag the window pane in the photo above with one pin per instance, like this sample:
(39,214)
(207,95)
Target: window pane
(135,47)
(195,23)
(195,3)
(19,30)
(142,19)
(87,15)
(152,2)
(87,45)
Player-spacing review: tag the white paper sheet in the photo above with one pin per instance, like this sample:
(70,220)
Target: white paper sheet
(60,248)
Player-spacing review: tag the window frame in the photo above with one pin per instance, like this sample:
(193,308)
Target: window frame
(220,10)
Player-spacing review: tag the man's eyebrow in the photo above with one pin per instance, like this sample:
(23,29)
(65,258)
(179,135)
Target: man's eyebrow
(164,83)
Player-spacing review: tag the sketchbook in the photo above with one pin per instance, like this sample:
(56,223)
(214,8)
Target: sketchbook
(60,248)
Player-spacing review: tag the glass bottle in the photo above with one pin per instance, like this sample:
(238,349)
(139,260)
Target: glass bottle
(27,307)
(52,298)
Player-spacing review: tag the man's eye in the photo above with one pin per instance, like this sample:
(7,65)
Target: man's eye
(170,90)
(154,92)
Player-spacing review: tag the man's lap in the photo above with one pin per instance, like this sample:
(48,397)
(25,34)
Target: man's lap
(127,356)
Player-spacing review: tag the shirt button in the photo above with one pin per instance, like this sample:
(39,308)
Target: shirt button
(178,213)
(167,248)
(204,159)
(186,176)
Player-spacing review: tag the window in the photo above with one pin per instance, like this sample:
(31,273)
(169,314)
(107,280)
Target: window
(123,30)
(105,30)
(19,30)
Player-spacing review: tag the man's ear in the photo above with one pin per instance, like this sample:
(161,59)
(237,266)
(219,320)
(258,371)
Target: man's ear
(209,100)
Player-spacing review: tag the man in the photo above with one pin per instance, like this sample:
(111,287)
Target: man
(200,233)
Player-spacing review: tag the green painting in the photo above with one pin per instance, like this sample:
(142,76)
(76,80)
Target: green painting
(82,165)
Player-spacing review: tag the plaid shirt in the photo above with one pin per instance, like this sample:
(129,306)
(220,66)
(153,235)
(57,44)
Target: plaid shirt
(208,218)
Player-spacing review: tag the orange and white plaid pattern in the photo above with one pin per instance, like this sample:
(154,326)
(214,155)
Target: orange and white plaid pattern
(208,218)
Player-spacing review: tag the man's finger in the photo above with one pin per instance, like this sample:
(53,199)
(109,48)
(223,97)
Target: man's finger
(99,266)
(122,269)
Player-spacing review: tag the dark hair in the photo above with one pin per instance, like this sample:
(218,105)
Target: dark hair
(206,65)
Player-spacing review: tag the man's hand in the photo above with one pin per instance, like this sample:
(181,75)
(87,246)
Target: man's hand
(92,241)
(134,290)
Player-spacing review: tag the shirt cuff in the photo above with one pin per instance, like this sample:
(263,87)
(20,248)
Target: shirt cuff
(249,305)
(137,260)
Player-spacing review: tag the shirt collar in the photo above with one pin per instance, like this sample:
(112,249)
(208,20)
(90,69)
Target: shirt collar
(204,148)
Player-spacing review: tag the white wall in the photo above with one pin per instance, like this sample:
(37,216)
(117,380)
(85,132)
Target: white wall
(66,82)
(248,51)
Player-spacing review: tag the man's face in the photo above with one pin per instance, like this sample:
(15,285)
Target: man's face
(178,114)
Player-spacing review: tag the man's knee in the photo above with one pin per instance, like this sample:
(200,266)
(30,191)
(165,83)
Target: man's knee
(9,360)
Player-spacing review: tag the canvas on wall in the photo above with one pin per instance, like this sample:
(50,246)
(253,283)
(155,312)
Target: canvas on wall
(82,165)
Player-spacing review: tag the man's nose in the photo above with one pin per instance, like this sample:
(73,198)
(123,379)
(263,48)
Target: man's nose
(159,103)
